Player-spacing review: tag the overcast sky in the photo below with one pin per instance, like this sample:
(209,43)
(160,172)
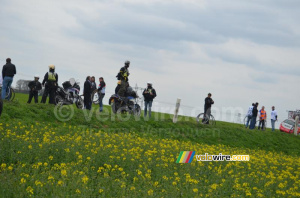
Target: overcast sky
(239,50)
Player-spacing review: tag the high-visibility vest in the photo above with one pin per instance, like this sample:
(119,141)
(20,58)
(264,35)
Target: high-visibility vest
(51,76)
(263,114)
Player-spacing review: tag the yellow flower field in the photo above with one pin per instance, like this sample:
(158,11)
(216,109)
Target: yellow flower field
(42,161)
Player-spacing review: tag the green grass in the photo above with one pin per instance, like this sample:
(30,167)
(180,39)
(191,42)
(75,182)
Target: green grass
(161,126)
(105,156)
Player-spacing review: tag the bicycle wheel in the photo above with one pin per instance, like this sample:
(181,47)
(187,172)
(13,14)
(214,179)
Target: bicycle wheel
(95,97)
(202,119)
(245,120)
(212,120)
(12,94)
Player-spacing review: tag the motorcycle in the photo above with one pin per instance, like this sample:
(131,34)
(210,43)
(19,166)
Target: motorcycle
(125,104)
(69,94)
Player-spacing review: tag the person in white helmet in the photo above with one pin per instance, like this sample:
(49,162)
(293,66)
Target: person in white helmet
(34,87)
(149,94)
(50,83)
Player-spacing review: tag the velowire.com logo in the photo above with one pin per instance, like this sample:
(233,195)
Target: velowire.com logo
(187,157)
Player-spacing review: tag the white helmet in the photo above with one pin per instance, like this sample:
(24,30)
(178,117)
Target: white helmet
(149,82)
(36,76)
(51,66)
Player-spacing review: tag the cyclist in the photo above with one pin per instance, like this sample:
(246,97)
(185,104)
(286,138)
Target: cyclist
(8,73)
(207,107)
(123,76)
(50,83)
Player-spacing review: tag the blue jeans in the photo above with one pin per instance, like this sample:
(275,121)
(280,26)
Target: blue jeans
(249,117)
(101,96)
(273,124)
(148,103)
(6,84)
(253,122)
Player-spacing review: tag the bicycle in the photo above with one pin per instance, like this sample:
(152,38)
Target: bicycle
(10,94)
(95,97)
(204,119)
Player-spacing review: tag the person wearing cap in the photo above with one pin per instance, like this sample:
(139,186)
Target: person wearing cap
(149,94)
(262,118)
(101,92)
(274,118)
(123,77)
(254,116)
(8,73)
(34,87)
(207,105)
(50,83)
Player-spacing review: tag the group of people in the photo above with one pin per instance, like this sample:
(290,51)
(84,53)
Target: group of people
(89,87)
(149,92)
(50,83)
(253,113)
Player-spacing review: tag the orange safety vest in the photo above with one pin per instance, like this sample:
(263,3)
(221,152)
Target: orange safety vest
(263,114)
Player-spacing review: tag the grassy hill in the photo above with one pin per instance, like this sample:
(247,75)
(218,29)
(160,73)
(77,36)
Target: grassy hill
(107,155)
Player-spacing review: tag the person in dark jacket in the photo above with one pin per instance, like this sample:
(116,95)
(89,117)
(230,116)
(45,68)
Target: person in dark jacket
(123,76)
(101,92)
(50,83)
(87,92)
(34,87)
(118,87)
(149,94)
(254,116)
(8,73)
(93,82)
(207,106)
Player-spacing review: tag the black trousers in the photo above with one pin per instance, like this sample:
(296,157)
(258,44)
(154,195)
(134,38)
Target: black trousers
(49,90)
(31,95)
(87,101)
(262,124)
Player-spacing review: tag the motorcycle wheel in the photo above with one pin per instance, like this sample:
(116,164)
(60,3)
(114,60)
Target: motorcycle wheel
(79,103)
(58,100)
(137,110)
(113,107)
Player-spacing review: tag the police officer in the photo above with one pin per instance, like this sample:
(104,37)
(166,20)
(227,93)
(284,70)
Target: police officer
(50,83)
(123,76)
(34,87)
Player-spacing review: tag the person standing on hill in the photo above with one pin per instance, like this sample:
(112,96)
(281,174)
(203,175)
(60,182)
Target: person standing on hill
(8,73)
(249,115)
(34,87)
(87,92)
(93,83)
(254,116)
(50,83)
(274,117)
(123,76)
(262,118)
(101,92)
(207,107)
(149,94)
